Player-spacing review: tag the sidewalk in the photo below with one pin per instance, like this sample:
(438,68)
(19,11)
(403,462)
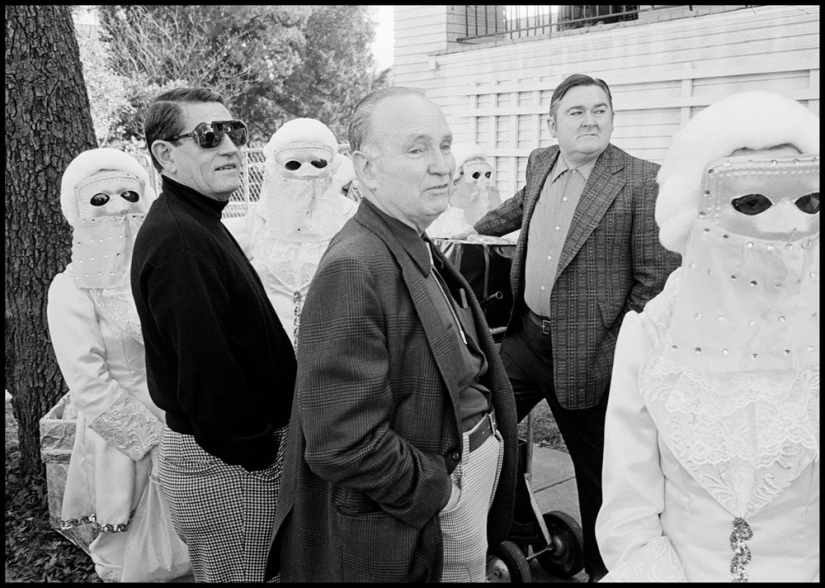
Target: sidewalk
(554,488)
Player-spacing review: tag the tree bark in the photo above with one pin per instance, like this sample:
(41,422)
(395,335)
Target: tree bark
(48,123)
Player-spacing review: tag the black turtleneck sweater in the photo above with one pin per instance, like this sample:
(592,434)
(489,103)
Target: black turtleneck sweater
(218,360)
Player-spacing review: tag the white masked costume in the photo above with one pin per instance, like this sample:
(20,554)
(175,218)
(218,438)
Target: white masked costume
(96,335)
(300,210)
(711,467)
(474,192)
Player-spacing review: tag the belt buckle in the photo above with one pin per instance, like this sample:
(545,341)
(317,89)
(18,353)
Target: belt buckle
(545,327)
(490,416)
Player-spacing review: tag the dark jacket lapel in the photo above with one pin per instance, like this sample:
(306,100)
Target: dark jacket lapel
(542,164)
(441,341)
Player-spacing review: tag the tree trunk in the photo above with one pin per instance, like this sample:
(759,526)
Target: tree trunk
(48,123)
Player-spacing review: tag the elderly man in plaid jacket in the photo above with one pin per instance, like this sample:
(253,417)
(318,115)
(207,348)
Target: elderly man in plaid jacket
(403,430)
(594,253)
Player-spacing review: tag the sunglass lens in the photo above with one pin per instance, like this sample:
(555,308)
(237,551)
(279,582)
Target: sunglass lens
(238,133)
(319,163)
(238,137)
(809,203)
(99,199)
(751,204)
(209,137)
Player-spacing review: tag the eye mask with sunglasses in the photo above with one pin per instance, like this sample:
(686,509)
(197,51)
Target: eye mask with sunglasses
(305,161)
(763,196)
(209,135)
(95,193)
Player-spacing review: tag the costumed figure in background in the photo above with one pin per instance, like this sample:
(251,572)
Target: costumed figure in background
(474,192)
(711,465)
(300,210)
(97,339)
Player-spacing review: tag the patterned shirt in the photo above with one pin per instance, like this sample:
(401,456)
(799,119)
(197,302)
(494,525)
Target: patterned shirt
(548,229)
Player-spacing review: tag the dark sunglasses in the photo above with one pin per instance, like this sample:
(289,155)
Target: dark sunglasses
(101,199)
(293,165)
(209,135)
(752,204)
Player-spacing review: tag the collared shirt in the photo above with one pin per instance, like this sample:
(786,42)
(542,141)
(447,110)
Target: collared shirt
(548,230)
(474,397)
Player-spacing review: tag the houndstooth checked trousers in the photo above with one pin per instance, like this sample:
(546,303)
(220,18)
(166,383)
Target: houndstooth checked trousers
(464,527)
(222,512)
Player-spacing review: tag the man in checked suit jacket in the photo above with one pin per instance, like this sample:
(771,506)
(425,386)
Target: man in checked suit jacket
(392,452)
(587,253)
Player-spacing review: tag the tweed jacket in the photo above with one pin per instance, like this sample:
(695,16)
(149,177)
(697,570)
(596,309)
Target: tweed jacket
(375,413)
(611,262)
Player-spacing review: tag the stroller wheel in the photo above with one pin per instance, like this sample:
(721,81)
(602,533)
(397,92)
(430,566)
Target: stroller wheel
(507,563)
(564,556)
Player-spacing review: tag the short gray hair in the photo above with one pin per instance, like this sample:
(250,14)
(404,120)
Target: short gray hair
(359,126)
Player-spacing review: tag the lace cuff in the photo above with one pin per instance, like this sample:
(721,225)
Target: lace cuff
(129,426)
(655,562)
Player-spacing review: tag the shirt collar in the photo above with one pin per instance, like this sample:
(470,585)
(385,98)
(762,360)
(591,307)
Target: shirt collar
(416,246)
(562,166)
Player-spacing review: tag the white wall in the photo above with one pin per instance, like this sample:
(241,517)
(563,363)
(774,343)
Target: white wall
(660,74)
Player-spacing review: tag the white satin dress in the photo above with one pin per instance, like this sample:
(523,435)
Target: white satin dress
(684,456)
(97,340)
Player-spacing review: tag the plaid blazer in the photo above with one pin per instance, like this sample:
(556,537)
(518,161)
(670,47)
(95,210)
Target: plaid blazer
(375,412)
(611,262)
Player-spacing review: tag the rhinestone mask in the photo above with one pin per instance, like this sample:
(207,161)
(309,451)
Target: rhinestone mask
(110,193)
(763,197)
(305,161)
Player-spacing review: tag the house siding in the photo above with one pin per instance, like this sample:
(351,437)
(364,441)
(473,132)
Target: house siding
(662,70)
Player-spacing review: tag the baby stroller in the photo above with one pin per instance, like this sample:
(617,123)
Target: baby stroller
(554,538)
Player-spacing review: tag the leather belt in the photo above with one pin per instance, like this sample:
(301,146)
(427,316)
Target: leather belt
(478,435)
(483,429)
(541,322)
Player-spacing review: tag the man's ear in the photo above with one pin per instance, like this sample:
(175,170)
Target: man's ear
(551,124)
(162,150)
(364,169)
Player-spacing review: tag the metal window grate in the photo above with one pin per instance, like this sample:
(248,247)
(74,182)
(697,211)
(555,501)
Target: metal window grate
(512,22)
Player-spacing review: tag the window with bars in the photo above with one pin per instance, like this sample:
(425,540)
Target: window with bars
(512,22)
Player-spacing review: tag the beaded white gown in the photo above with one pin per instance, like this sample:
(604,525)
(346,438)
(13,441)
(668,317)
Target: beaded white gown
(698,467)
(111,483)
(286,261)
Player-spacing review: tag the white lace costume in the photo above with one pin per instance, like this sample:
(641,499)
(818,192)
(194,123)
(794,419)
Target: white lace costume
(97,340)
(711,468)
(301,208)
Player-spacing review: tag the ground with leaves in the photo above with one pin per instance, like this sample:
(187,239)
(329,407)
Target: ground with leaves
(545,430)
(34,551)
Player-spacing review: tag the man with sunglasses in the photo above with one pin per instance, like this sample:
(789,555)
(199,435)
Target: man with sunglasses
(219,362)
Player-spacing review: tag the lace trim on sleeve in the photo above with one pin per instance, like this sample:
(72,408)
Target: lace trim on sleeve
(655,562)
(129,426)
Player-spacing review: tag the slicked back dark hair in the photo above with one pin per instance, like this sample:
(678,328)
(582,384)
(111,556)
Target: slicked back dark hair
(359,126)
(577,80)
(164,118)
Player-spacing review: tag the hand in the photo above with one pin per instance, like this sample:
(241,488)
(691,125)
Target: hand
(461,235)
(455,494)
